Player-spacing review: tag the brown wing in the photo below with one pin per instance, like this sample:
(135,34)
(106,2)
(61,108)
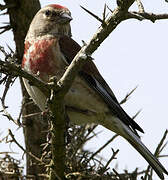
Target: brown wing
(70,48)
(94,79)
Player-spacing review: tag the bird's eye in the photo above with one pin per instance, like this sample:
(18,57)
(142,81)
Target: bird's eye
(48,13)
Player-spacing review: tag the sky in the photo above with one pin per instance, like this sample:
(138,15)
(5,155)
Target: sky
(135,54)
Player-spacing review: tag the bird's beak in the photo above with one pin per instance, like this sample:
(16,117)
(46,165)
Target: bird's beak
(65,18)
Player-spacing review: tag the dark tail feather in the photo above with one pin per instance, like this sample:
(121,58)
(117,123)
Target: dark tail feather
(143,150)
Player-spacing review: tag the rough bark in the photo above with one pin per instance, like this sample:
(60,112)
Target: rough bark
(21,14)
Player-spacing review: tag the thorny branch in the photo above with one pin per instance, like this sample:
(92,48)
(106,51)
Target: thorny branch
(8,82)
(145,16)
(100,149)
(13,69)
(5,28)
(127,96)
(118,15)
(108,25)
(21,147)
(113,156)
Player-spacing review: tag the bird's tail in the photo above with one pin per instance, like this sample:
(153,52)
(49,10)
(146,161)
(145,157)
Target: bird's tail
(135,141)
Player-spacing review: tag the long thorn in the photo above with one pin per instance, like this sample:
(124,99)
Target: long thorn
(92,14)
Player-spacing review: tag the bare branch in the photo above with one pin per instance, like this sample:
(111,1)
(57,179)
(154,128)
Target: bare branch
(5,28)
(100,149)
(8,82)
(86,51)
(7,114)
(127,96)
(109,9)
(144,15)
(13,69)
(113,156)
(3,79)
(118,15)
(118,175)
(21,147)
(134,15)
(56,97)
(136,114)
(157,153)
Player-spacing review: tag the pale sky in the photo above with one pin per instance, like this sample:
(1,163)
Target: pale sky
(134,54)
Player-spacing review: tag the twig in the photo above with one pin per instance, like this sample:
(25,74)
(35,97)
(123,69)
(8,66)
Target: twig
(24,150)
(13,69)
(21,111)
(9,81)
(82,142)
(5,28)
(6,114)
(31,115)
(134,15)
(118,175)
(109,9)
(101,148)
(109,161)
(133,117)
(104,14)
(144,15)
(7,152)
(127,96)
(161,149)
(92,14)
(3,80)
(157,152)
(35,176)
(7,85)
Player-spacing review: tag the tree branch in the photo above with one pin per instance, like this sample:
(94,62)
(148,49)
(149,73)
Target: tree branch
(144,15)
(87,50)
(13,69)
(56,105)
(158,150)
(59,89)
(25,151)
(56,100)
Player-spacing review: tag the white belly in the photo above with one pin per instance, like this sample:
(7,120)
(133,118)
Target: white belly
(83,103)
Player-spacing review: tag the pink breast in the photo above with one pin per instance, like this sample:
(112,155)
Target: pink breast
(39,56)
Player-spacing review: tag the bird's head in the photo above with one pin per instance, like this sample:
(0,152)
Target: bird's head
(51,20)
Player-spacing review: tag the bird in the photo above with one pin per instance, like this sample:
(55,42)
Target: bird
(49,49)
